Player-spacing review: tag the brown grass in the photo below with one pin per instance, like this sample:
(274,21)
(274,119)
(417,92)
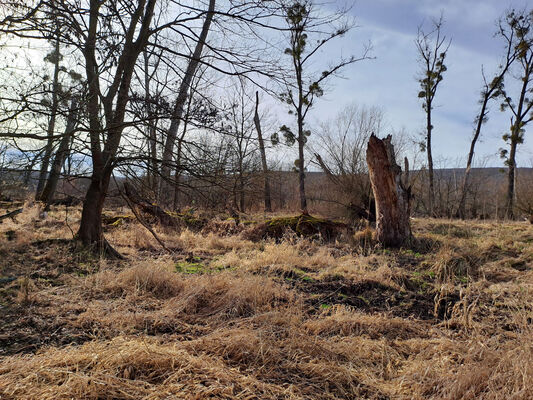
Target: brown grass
(230,319)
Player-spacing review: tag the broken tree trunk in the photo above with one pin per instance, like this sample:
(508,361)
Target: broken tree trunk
(393,199)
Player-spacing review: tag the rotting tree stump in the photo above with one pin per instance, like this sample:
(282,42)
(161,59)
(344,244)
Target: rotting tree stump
(393,197)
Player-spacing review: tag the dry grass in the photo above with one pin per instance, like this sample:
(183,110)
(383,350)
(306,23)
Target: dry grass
(222,317)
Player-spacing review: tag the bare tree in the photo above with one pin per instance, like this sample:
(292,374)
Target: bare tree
(340,152)
(432,48)
(491,90)
(183,92)
(55,58)
(517,31)
(105,139)
(305,21)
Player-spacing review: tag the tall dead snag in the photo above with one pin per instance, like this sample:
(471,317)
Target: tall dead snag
(393,199)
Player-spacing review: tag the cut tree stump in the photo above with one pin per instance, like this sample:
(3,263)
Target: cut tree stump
(393,197)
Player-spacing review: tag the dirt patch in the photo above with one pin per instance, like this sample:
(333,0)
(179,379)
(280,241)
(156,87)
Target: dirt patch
(25,330)
(371,297)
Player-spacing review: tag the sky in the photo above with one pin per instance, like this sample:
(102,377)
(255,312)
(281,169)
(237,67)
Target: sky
(389,80)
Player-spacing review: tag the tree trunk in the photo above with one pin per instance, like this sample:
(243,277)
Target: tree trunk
(509,205)
(51,126)
(393,199)
(241,190)
(482,114)
(257,121)
(90,231)
(430,163)
(61,154)
(179,166)
(117,97)
(151,128)
(182,95)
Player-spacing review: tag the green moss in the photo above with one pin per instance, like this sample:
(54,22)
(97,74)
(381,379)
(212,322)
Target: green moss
(116,220)
(303,225)
(190,267)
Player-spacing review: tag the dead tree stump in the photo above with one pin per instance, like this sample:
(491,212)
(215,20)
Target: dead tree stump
(393,197)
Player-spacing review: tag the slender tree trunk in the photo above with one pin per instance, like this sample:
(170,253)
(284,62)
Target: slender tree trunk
(431,194)
(177,178)
(29,169)
(393,199)
(151,128)
(257,121)
(61,154)
(241,187)
(509,204)
(182,94)
(462,197)
(301,144)
(51,125)
(179,150)
(301,177)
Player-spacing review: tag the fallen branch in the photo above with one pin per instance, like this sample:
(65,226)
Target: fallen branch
(11,214)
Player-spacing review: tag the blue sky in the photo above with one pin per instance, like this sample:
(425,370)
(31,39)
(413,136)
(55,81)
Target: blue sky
(389,80)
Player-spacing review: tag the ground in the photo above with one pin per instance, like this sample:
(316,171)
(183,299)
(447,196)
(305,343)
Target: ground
(228,318)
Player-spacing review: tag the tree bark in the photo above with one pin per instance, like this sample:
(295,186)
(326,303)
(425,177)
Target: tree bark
(257,122)
(509,205)
(429,128)
(393,199)
(151,127)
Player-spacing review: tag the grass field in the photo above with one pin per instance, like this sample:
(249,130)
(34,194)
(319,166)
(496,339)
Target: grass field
(227,318)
